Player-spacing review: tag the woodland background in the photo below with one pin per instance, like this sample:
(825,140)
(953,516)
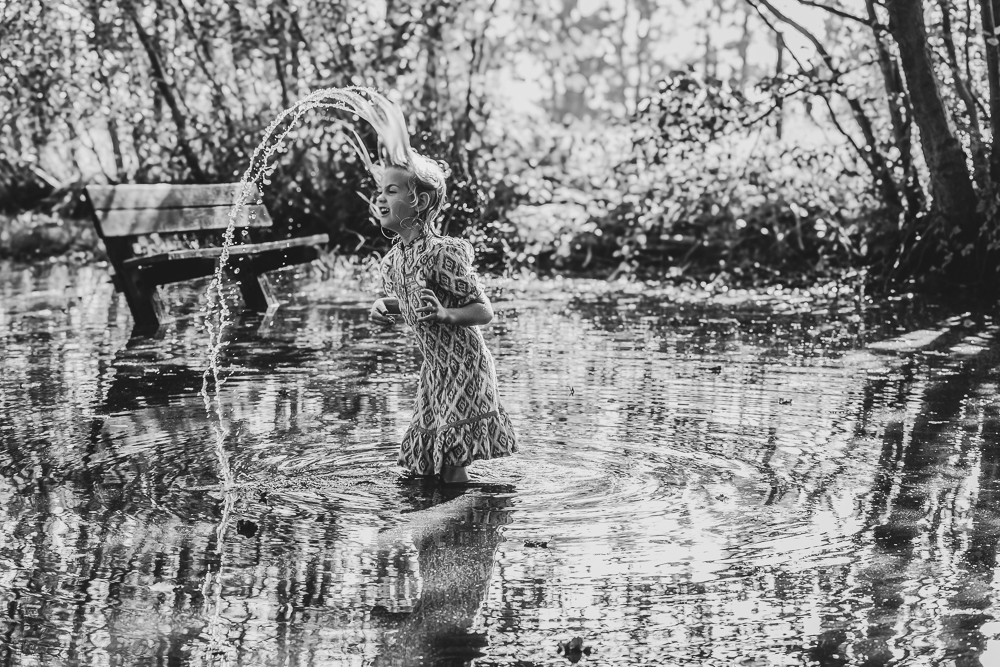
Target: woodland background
(729,141)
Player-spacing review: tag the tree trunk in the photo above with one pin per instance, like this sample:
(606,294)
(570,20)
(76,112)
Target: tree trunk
(951,185)
(988,15)
(980,159)
(900,113)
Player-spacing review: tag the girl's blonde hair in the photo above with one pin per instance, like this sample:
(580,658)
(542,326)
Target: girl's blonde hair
(427,176)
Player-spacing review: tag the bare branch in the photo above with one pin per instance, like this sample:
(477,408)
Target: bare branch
(870,152)
(820,49)
(844,15)
(774,28)
(845,133)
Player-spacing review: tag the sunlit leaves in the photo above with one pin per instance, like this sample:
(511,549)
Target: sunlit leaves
(708,171)
(572,127)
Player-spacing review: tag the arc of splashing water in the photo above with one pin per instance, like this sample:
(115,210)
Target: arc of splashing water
(349,99)
(377,111)
(381,114)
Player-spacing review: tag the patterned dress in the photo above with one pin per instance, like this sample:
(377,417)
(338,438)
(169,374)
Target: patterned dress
(457,417)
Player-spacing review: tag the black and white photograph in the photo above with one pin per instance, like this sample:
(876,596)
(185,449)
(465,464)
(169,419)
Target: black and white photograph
(499,333)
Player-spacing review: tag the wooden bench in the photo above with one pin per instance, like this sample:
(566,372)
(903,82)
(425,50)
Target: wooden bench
(132,218)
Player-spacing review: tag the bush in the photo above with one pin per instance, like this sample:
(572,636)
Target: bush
(34,235)
(689,185)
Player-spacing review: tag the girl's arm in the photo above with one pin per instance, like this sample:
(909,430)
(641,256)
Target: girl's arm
(384,309)
(470,315)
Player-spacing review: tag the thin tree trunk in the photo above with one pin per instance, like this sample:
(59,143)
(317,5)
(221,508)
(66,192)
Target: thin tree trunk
(951,185)
(711,57)
(900,113)
(203,57)
(992,51)
(969,32)
(277,31)
(742,48)
(642,55)
(980,159)
(779,69)
(96,40)
(429,95)
(159,77)
(116,148)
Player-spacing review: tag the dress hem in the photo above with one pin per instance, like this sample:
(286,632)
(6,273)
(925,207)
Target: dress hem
(460,422)
(482,438)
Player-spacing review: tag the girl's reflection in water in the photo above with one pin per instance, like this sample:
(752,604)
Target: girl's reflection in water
(455,533)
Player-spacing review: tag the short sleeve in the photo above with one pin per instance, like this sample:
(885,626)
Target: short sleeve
(454,274)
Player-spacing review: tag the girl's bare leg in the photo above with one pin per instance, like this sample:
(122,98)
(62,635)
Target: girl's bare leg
(455,474)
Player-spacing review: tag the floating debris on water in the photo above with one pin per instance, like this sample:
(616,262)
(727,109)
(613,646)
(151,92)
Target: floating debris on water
(573,649)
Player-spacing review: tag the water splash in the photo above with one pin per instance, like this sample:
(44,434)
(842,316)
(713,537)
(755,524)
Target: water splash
(350,99)
(218,649)
(364,102)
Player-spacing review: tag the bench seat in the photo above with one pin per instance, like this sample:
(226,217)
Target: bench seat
(258,251)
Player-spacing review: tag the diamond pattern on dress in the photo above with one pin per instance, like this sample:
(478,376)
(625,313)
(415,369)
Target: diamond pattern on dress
(457,416)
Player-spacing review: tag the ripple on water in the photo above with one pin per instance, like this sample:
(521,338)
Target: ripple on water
(697,484)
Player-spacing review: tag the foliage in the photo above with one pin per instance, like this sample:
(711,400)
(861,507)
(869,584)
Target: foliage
(687,182)
(170,91)
(700,171)
(32,235)
(645,136)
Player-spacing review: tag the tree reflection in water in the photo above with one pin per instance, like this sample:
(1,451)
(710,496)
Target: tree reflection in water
(704,483)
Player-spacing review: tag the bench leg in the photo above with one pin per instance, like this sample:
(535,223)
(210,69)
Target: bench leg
(148,311)
(257,293)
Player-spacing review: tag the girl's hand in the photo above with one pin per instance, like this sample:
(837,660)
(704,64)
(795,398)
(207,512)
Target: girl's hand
(431,310)
(380,313)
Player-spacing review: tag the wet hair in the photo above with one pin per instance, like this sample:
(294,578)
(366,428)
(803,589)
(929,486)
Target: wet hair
(427,176)
(429,179)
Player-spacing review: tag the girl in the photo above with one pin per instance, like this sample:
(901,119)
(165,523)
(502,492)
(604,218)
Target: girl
(429,280)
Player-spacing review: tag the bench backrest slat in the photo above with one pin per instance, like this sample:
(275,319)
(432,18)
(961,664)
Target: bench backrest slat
(164,195)
(130,210)
(139,221)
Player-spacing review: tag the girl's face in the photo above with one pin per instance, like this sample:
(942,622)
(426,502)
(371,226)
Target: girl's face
(395,203)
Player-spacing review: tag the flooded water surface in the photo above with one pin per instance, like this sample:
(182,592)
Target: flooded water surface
(741,479)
